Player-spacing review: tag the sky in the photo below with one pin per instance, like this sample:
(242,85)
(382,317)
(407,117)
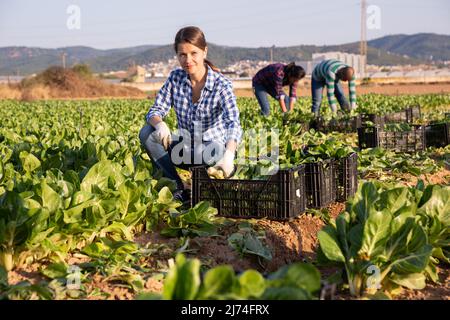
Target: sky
(109,24)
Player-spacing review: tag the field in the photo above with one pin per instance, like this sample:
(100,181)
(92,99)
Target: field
(82,216)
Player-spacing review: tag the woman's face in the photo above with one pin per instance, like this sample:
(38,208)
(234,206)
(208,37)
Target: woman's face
(191,58)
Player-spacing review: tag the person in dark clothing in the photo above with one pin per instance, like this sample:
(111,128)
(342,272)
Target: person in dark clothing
(270,81)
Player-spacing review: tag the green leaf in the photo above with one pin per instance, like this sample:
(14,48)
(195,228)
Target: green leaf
(2,171)
(165,196)
(376,233)
(252,284)
(119,228)
(364,200)
(439,253)
(217,281)
(394,199)
(3,277)
(329,244)
(55,270)
(183,280)
(436,201)
(100,174)
(29,162)
(302,275)
(129,194)
(431,272)
(413,262)
(50,198)
(415,281)
(80,201)
(247,242)
(286,293)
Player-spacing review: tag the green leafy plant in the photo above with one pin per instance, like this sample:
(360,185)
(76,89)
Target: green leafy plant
(387,232)
(247,241)
(196,221)
(184,282)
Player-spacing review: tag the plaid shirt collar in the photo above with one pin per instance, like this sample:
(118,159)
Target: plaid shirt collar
(210,78)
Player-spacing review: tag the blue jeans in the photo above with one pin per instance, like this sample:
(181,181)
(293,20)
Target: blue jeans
(177,153)
(261,95)
(317,90)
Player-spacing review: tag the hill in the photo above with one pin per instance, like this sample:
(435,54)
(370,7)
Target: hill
(388,50)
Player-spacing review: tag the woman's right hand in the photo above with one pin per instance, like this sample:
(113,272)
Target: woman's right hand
(162,134)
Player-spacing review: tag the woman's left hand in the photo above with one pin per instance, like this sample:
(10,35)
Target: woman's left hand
(226,164)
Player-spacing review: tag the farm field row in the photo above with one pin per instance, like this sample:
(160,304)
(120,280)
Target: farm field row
(82,216)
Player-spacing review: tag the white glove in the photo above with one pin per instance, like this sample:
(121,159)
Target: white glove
(162,134)
(353,106)
(226,163)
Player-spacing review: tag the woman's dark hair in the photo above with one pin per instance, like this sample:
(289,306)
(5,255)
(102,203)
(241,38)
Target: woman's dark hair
(291,70)
(194,36)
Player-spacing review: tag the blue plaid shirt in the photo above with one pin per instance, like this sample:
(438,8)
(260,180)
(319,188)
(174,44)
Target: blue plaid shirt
(216,110)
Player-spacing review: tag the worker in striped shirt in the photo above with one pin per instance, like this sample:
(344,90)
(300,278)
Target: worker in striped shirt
(327,74)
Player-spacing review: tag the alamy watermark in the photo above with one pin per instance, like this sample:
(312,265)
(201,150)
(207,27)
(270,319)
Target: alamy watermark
(373,21)
(73,279)
(73,21)
(374,280)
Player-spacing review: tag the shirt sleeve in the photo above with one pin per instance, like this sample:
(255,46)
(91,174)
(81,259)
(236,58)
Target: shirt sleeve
(331,77)
(352,90)
(231,115)
(278,80)
(163,101)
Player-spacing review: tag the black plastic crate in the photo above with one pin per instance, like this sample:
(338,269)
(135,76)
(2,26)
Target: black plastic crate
(368,137)
(437,135)
(280,197)
(320,182)
(377,120)
(398,141)
(346,176)
(407,115)
(413,113)
(349,125)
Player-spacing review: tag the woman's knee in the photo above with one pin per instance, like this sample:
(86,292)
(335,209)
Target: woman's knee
(145,132)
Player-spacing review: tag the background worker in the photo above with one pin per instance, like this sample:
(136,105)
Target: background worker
(328,74)
(270,81)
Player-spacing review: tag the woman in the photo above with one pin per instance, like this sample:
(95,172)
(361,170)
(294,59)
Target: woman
(271,79)
(206,111)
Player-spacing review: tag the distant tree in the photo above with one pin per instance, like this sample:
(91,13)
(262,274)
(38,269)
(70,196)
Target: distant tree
(83,70)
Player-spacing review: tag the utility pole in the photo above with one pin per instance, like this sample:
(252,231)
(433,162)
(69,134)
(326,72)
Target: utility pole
(271,53)
(363,43)
(63,59)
